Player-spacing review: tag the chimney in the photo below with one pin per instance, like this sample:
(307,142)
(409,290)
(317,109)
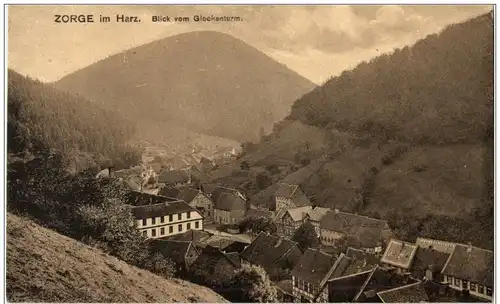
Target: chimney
(469,247)
(336,211)
(364,262)
(111,172)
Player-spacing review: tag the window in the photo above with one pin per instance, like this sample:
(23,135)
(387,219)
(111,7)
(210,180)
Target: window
(480,289)
(153,221)
(153,232)
(465,284)
(144,222)
(170,218)
(457,282)
(162,231)
(296,283)
(188,214)
(162,219)
(180,227)
(179,216)
(489,292)
(145,233)
(197,225)
(188,226)
(170,229)
(472,286)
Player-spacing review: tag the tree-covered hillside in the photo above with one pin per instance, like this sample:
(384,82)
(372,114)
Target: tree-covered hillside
(438,91)
(41,117)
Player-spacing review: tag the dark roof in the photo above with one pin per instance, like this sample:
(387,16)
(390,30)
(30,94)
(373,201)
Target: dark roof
(216,192)
(158,210)
(314,266)
(472,264)
(399,253)
(210,257)
(169,191)
(195,236)
(428,258)
(137,198)
(344,289)
(347,266)
(253,212)
(234,257)
(380,280)
(293,192)
(229,201)
(413,293)
(175,250)
(173,177)
(368,232)
(188,194)
(266,250)
(285,286)
(358,254)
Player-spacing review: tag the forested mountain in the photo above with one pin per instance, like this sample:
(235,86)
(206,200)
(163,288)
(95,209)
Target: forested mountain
(41,117)
(407,136)
(438,91)
(205,81)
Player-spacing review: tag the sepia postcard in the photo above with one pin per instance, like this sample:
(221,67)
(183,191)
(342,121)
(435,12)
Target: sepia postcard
(249,153)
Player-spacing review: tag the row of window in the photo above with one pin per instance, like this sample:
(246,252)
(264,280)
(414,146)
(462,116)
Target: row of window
(305,286)
(163,218)
(470,286)
(161,231)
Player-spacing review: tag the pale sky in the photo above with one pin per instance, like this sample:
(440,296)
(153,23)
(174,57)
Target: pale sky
(316,41)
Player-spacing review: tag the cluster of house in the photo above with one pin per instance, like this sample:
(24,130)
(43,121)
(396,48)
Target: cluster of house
(375,267)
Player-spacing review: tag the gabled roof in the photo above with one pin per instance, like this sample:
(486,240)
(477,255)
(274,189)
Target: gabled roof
(426,258)
(175,250)
(219,190)
(413,293)
(298,214)
(294,193)
(266,250)
(229,202)
(169,191)
(258,212)
(210,257)
(399,253)
(314,267)
(366,231)
(347,266)
(159,210)
(318,213)
(358,254)
(137,198)
(173,177)
(438,245)
(195,236)
(189,194)
(345,289)
(472,264)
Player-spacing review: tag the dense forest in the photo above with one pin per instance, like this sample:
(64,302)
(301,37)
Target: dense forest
(438,91)
(41,118)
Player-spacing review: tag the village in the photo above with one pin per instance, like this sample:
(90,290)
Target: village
(353,258)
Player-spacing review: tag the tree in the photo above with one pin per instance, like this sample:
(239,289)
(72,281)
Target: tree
(256,225)
(306,236)
(160,265)
(254,284)
(245,166)
(262,180)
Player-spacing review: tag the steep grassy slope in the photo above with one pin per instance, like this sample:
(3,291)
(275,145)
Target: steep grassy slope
(43,266)
(206,81)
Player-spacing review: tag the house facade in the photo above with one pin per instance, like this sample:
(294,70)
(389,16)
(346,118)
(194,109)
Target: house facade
(315,216)
(289,196)
(470,269)
(358,231)
(182,253)
(229,207)
(199,200)
(291,220)
(166,219)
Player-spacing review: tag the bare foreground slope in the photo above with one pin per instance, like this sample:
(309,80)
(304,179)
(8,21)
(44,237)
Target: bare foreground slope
(44,266)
